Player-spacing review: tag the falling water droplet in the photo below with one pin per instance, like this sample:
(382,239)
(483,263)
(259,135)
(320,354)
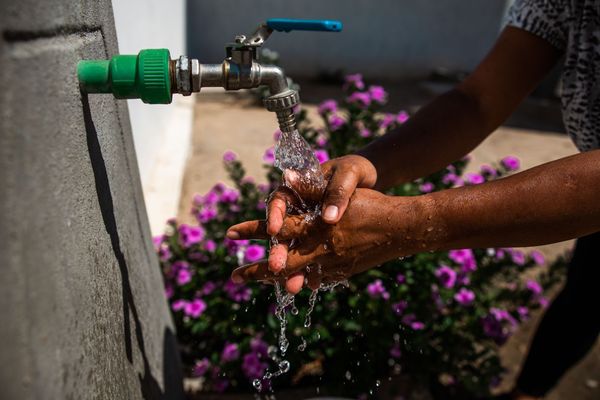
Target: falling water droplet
(294,310)
(257,384)
(302,346)
(284,366)
(377,383)
(348,375)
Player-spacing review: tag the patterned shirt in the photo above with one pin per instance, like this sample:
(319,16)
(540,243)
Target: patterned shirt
(573,27)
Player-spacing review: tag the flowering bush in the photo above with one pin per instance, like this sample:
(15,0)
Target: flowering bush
(436,317)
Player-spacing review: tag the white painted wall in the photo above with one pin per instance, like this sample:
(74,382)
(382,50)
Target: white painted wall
(161,133)
(381,38)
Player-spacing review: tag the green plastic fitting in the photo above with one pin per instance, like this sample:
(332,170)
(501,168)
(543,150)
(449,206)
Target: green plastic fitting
(144,76)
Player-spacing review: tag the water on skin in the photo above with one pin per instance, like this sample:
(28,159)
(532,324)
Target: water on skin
(293,153)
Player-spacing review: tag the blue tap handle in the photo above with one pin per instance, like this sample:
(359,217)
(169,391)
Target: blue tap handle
(287,25)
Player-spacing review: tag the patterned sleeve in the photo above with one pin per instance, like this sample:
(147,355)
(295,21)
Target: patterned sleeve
(547,19)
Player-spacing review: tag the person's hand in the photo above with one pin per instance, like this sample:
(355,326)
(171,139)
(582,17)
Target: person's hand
(375,228)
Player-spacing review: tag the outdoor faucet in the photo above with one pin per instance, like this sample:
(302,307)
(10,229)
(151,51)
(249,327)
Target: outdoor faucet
(153,77)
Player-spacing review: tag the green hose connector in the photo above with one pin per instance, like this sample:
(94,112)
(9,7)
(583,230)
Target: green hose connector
(145,76)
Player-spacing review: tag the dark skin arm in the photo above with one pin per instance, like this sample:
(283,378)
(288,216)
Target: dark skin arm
(441,132)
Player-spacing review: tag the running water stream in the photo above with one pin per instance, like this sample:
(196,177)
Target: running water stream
(293,154)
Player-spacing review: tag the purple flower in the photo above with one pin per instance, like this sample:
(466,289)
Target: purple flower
(237,292)
(465,258)
(446,276)
(328,106)
(355,80)
(234,245)
(178,305)
(523,313)
(488,170)
(361,99)
(498,325)
(229,196)
(190,235)
(402,117)
(164,253)
(322,156)
(388,120)
(377,290)
(543,301)
(534,287)
(321,141)
(400,307)
(259,346)
(378,94)
(207,214)
(474,179)
(169,291)
(269,156)
(276,135)
(254,252)
(253,366)
(537,257)
(201,367)
(449,178)
(400,278)
(195,308)
(395,351)
(229,156)
(511,163)
(157,241)
(184,276)
(208,288)
(210,246)
(426,187)
(411,320)
(517,256)
(464,297)
(364,132)
(231,352)
(336,122)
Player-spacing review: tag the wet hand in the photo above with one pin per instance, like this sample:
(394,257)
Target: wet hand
(374,229)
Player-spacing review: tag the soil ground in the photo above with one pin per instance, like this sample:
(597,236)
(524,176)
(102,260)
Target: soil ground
(233,121)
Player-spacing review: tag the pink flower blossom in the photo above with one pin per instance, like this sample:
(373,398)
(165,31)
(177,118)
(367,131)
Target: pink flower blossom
(450,178)
(465,258)
(254,252)
(231,352)
(178,305)
(229,156)
(207,214)
(395,351)
(474,179)
(446,276)
(400,307)
(488,170)
(201,367)
(426,187)
(464,297)
(377,290)
(523,313)
(336,122)
(210,246)
(328,106)
(534,287)
(517,256)
(537,257)
(276,135)
(195,308)
(402,117)
(401,278)
(387,121)
(321,141)
(511,163)
(364,132)
(269,156)
(355,80)
(411,320)
(322,156)
(361,99)
(229,196)
(184,276)
(190,235)
(378,94)
(237,292)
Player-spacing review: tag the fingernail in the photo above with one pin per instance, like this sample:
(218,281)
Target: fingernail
(233,235)
(331,213)
(237,279)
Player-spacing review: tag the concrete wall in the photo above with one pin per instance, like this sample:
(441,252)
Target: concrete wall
(161,133)
(83,311)
(381,38)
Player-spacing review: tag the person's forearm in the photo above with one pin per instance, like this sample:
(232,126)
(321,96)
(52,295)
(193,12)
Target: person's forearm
(556,201)
(440,133)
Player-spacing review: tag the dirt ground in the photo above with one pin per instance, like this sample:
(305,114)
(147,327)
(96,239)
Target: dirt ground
(226,121)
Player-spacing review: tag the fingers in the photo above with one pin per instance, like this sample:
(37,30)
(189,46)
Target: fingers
(277,208)
(341,186)
(248,230)
(295,282)
(278,257)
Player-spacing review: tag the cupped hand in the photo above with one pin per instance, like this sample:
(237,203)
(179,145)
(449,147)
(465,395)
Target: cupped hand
(375,228)
(343,175)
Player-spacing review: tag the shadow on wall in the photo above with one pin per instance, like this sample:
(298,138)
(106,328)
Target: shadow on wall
(173,378)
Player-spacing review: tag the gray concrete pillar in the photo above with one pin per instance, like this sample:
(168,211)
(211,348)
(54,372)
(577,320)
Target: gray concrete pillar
(81,297)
